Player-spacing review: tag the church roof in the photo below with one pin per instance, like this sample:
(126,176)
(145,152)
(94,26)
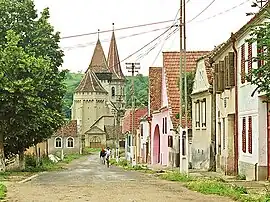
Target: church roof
(90,83)
(113,60)
(98,63)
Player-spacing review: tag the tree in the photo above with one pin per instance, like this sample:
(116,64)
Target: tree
(261,75)
(31,85)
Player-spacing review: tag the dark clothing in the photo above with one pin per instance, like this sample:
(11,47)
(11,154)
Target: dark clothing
(102,153)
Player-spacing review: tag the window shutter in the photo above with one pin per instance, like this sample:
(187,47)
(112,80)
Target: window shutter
(221,75)
(243,73)
(250,134)
(249,61)
(216,78)
(231,69)
(226,72)
(244,145)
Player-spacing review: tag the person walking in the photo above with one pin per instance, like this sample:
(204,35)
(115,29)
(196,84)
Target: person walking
(102,156)
(108,154)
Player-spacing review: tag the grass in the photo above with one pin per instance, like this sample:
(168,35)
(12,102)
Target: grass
(3,191)
(216,186)
(90,150)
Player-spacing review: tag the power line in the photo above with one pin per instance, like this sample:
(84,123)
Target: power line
(123,28)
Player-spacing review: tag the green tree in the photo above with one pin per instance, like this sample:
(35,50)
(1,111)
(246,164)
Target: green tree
(32,87)
(261,76)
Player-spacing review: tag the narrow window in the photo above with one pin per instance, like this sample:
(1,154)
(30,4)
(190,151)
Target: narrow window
(250,134)
(203,112)
(113,91)
(141,130)
(244,146)
(197,113)
(165,125)
(243,73)
(70,142)
(58,142)
(249,61)
(224,133)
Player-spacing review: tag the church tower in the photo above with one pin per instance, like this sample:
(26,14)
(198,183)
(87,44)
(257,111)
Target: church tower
(117,85)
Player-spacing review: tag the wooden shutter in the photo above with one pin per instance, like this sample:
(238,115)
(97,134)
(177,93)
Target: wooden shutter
(226,72)
(221,76)
(243,73)
(216,79)
(244,145)
(250,134)
(231,69)
(249,61)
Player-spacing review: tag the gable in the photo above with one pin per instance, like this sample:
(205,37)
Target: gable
(95,130)
(201,83)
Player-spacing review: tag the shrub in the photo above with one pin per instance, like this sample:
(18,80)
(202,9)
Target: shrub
(3,191)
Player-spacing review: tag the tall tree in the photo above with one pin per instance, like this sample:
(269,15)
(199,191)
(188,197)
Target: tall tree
(31,84)
(261,75)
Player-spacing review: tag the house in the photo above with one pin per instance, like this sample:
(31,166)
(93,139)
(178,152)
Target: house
(127,131)
(97,97)
(144,139)
(66,140)
(164,120)
(202,114)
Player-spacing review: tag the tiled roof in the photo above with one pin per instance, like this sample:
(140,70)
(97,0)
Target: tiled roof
(90,83)
(155,84)
(113,60)
(127,120)
(98,63)
(68,130)
(171,64)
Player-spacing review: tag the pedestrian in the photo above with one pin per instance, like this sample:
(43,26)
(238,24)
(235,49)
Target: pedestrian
(108,154)
(102,156)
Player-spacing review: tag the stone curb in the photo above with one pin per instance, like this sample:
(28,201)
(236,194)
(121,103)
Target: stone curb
(30,178)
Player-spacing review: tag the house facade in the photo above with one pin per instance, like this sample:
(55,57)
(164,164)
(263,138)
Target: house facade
(144,139)
(165,119)
(99,95)
(66,140)
(202,115)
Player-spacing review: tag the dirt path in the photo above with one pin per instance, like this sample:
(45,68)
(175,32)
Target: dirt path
(87,180)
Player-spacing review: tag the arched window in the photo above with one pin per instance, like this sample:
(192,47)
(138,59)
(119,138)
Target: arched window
(58,142)
(113,91)
(70,142)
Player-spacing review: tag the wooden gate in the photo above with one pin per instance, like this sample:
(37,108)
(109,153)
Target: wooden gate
(95,142)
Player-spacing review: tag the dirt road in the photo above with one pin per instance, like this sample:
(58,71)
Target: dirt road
(87,180)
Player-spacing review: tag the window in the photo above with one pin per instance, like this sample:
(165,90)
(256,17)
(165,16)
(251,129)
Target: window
(197,114)
(250,134)
(113,91)
(170,141)
(165,125)
(70,142)
(223,133)
(58,142)
(243,72)
(244,147)
(249,61)
(141,130)
(203,112)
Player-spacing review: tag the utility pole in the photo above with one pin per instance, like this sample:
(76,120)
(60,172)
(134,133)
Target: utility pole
(133,67)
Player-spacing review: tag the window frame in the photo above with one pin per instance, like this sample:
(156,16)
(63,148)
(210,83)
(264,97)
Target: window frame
(61,142)
(68,142)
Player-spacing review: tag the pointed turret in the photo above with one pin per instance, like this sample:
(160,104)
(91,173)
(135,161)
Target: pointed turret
(113,59)
(90,83)
(98,63)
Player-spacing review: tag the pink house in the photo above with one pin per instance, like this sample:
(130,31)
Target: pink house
(164,107)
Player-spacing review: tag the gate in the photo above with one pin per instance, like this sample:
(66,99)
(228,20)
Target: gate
(95,142)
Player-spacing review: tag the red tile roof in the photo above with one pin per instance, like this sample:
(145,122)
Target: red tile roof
(155,84)
(127,120)
(68,130)
(171,64)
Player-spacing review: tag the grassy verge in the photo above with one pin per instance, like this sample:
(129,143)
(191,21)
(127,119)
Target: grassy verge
(215,186)
(3,191)
(127,166)
(87,151)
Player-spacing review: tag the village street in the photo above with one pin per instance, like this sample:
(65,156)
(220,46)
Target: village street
(87,180)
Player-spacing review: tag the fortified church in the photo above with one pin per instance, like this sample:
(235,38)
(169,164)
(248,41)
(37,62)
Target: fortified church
(100,91)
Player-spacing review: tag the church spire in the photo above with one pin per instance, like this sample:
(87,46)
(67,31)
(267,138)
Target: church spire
(98,63)
(113,58)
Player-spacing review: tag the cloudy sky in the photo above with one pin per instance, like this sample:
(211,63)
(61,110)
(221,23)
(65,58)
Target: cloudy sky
(72,17)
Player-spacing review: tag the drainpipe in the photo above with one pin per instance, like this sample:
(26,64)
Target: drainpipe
(236,151)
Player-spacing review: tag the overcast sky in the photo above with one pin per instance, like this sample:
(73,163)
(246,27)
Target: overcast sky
(72,17)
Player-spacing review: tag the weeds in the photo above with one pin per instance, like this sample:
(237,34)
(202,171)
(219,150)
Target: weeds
(175,176)
(3,191)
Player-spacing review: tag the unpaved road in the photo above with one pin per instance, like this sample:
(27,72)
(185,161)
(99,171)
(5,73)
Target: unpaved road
(87,180)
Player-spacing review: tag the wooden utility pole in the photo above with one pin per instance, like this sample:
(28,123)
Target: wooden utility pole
(133,67)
